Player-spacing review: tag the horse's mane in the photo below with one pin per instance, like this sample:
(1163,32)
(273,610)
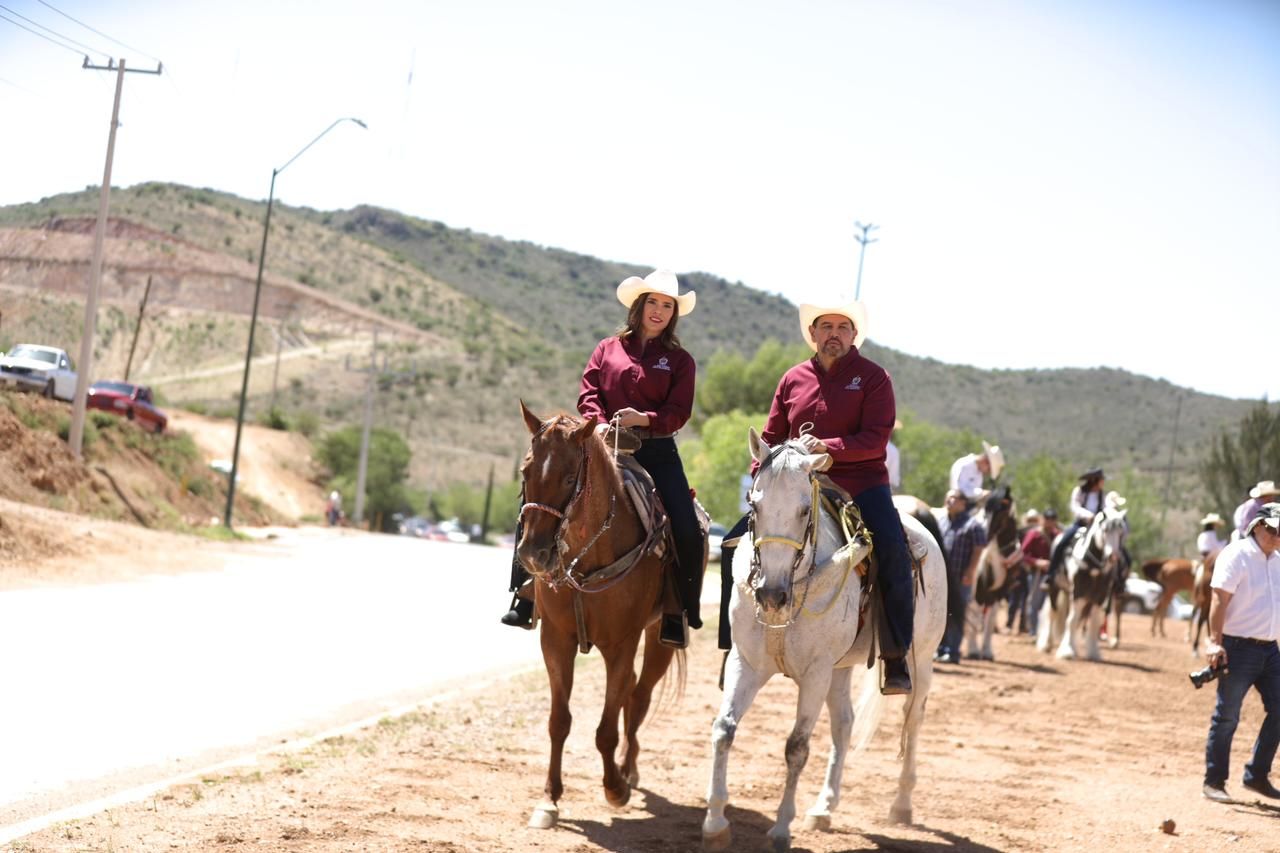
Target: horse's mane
(597,451)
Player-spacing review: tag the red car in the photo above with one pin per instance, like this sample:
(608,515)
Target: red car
(132,401)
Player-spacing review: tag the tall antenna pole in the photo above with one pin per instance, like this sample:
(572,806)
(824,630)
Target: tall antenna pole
(864,239)
(1168,477)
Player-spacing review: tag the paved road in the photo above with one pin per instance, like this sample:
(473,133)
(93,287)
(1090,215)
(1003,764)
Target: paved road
(114,685)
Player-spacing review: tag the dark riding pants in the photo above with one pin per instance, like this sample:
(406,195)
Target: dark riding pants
(890,544)
(661,459)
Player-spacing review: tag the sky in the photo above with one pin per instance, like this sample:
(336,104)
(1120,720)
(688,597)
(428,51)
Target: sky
(1053,184)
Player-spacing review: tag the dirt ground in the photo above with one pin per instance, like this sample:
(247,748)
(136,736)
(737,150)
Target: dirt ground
(1026,753)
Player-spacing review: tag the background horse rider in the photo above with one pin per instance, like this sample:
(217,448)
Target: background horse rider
(841,403)
(968,471)
(1086,502)
(641,378)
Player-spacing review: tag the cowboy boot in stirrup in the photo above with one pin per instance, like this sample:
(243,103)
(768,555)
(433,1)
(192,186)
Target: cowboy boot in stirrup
(896,679)
(521,613)
(674,631)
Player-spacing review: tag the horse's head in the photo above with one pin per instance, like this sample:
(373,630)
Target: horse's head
(1107,531)
(999,518)
(786,521)
(554,474)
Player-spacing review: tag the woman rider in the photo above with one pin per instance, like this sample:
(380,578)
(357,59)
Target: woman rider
(1086,502)
(642,378)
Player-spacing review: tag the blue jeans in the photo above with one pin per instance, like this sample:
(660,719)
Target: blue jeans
(958,597)
(1248,665)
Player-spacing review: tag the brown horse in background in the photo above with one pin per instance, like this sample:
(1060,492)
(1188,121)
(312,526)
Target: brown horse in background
(1174,576)
(597,583)
(1200,598)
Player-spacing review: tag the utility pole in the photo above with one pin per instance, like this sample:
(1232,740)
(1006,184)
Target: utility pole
(1168,477)
(76,435)
(488,501)
(864,238)
(363,467)
(142,309)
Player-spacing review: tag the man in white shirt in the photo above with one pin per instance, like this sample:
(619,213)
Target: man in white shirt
(967,472)
(1244,624)
(1209,542)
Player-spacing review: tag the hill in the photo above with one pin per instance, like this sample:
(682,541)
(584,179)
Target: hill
(467,323)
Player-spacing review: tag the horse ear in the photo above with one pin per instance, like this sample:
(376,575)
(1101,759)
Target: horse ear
(584,432)
(532,421)
(759,449)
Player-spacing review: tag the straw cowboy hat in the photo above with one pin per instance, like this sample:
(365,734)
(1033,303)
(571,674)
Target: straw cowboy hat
(658,281)
(995,458)
(1212,518)
(1264,489)
(1031,516)
(1114,500)
(855,311)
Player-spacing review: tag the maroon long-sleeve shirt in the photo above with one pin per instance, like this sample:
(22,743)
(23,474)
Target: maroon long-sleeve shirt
(852,410)
(653,380)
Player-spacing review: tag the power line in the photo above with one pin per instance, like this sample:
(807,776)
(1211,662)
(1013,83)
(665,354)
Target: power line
(43,36)
(52,31)
(96,32)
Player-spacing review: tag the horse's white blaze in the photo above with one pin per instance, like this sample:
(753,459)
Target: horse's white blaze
(822,630)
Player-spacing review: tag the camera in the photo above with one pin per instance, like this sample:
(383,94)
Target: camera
(1204,676)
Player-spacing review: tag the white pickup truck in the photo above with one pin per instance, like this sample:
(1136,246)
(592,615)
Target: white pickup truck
(45,370)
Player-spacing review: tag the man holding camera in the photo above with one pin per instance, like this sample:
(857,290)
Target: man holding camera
(1244,624)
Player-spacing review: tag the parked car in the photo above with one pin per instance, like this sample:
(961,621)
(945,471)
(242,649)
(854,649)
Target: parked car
(715,535)
(1143,596)
(133,401)
(45,370)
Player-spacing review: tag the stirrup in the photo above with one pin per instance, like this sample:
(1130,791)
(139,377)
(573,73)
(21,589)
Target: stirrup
(521,614)
(674,630)
(897,681)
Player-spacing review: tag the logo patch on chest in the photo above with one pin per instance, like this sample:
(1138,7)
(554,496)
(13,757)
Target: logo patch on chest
(662,364)
(855,384)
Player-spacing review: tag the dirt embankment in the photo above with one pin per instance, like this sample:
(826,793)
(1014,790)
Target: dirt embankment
(160,482)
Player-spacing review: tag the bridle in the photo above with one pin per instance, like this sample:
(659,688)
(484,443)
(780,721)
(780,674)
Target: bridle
(563,574)
(808,539)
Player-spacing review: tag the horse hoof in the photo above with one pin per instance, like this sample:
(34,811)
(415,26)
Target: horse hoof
(818,822)
(781,845)
(618,799)
(634,779)
(900,816)
(717,840)
(1113,643)
(544,817)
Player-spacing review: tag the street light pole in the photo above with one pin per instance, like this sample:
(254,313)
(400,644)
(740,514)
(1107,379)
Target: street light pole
(864,240)
(253,319)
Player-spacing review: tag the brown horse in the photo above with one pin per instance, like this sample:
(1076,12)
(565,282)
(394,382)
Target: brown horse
(1174,576)
(1200,598)
(598,583)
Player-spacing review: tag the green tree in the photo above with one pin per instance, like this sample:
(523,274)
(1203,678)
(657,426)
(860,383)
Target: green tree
(731,383)
(715,464)
(927,452)
(1146,539)
(1235,462)
(387,471)
(1040,482)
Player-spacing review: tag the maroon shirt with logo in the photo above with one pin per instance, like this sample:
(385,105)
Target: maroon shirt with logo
(654,380)
(852,410)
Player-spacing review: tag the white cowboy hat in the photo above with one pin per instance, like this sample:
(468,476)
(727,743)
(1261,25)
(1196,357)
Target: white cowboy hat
(855,311)
(995,458)
(1031,516)
(658,281)
(1211,518)
(1114,500)
(1266,487)
(1268,515)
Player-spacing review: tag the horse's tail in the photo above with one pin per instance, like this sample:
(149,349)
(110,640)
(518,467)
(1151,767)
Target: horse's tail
(868,709)
(1151,569)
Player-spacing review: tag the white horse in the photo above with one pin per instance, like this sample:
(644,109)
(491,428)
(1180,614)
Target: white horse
(795,610)
(1075,606)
